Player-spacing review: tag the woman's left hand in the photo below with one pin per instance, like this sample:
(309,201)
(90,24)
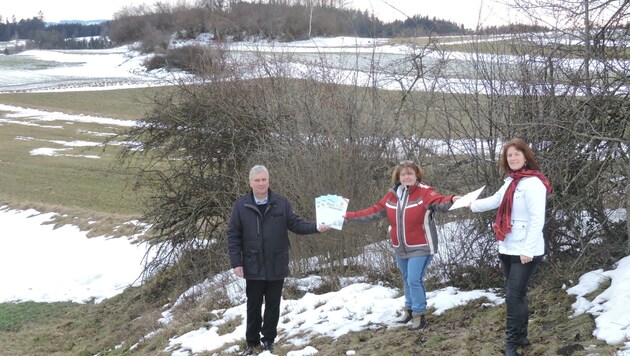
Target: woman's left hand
(525,259)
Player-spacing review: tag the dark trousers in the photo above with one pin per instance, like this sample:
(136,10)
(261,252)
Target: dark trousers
(271,292)
(517,276)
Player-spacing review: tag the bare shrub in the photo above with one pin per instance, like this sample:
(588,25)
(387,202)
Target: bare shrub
(154,40)
(292,291)
(155,62)
(127,29)
(196,58)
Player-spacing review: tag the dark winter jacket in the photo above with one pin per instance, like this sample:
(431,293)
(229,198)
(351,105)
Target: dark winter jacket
(412,226)
(260,242)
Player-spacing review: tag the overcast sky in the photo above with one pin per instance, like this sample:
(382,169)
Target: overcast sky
(467,12)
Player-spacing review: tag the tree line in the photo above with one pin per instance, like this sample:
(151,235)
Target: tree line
(276,20)
(288,20)
(55,36)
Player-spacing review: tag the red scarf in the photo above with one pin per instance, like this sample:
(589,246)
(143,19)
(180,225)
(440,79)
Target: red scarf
(503,224)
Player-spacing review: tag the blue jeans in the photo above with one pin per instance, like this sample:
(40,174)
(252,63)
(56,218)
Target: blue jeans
(413,270)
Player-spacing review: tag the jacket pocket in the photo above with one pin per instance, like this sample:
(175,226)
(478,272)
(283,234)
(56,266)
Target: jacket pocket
(281,263)
(251,263)
(393,237)
(519,231)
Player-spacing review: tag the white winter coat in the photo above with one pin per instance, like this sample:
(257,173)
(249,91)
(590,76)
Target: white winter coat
(528,216)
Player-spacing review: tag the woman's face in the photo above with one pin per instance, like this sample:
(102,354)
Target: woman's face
(515,158)
(407,176)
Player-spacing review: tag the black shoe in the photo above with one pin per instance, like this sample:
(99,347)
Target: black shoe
(249,351)
(524,342)
(267,346)
(510,350)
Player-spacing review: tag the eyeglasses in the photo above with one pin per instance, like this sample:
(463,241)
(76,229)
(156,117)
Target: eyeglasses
(407,162)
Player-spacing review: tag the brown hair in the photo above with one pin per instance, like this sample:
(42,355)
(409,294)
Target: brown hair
(517,143)
(406,164)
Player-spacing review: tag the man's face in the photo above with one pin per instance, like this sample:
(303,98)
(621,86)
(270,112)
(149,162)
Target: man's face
(259,184)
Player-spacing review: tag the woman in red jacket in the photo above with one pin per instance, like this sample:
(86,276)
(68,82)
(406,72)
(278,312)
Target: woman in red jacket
(409,206)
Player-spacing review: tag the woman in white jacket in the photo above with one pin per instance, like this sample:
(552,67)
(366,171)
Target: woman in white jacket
(519,230)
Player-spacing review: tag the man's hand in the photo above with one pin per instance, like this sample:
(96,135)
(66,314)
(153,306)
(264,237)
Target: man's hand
(238,271)
(323,227)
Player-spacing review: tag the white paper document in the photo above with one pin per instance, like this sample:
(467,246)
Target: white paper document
(467,199)
(330,210)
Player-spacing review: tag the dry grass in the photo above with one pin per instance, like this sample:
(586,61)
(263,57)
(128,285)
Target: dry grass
(92,193)
(121,103)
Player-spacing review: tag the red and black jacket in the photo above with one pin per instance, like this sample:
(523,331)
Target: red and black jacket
(412,226)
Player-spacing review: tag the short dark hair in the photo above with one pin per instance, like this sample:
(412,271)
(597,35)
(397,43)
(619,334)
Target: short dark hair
(517,143)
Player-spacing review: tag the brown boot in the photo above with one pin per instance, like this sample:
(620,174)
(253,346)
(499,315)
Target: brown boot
(406,317)
(419,321)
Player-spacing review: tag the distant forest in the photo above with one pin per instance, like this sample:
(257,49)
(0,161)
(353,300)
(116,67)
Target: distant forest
(278,20)
(59,36)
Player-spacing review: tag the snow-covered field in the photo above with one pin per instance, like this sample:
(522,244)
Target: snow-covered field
(41,263)
(38,70)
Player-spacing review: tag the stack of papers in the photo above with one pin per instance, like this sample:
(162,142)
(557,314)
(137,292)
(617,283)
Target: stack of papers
(330,210)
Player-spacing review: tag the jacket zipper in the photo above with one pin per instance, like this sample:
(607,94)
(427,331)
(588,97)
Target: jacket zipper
(259,229)
(262,241)
(400,226)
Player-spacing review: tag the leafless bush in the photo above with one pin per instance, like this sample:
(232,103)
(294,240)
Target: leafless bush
(192,151)
(579,138)
(154,40)
(155,62)
(127,30)
(196,59)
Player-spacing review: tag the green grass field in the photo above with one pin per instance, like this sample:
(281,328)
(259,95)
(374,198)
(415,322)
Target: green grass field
(121,103)
(82,179)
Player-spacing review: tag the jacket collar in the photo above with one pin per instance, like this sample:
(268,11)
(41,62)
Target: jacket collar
(413,187)
(271,196)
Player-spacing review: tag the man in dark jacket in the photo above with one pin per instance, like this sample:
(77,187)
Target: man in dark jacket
(258,245)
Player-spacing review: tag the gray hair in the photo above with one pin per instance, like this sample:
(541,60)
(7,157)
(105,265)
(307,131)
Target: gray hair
(257,169)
